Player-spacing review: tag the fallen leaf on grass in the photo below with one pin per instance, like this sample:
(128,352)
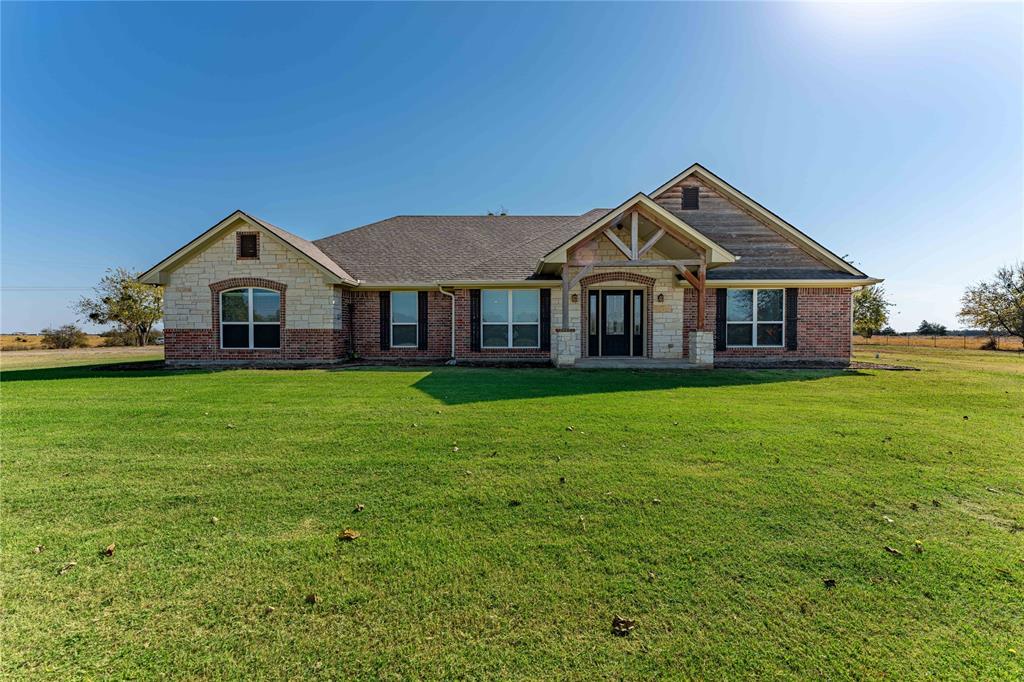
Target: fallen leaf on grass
(622,626)
(888,520)
(656,501)
(455,449)
(830,583)
(893,550)
(109,549)
(650,576)
(214,520)
(360,507)
(992,490)
(67,567)
(231,426)
(269,610)
(348,535)
(313,598)
(38,549)
(918,547)
(913,506)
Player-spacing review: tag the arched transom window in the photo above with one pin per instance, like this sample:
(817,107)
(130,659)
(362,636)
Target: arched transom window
(250,318)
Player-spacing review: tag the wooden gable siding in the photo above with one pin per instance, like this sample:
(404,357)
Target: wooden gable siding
(757,244)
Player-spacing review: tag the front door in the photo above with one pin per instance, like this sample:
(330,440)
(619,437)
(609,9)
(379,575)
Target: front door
(616,327)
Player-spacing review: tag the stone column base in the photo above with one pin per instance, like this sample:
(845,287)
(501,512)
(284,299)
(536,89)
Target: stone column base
(702,348)
(567,347)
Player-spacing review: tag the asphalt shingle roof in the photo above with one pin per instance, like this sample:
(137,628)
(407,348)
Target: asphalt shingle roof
(451,248)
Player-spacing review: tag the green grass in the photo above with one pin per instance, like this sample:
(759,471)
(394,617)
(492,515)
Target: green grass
(769,482)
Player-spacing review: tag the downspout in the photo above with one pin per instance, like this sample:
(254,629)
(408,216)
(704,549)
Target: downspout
(451,296)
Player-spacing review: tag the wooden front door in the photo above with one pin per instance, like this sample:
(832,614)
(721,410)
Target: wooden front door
(616,325)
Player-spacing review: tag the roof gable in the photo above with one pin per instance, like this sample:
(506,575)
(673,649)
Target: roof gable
(763,215)
(643,203)
(308,250)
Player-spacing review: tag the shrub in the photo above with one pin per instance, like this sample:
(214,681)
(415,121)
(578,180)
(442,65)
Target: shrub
(990,344)
(67,336)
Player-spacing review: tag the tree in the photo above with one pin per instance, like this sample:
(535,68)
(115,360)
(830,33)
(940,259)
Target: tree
(124,301)
(888,331)
(870,311)
(68,336)
(931,328)
(997,305)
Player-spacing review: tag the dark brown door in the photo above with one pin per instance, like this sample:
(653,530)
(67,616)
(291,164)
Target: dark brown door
(616,327)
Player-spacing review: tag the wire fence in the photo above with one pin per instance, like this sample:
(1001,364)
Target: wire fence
(962,342)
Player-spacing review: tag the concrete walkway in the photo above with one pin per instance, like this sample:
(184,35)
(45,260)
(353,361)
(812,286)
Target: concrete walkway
(636,363)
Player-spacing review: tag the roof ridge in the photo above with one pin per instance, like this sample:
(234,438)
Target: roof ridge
(440,215)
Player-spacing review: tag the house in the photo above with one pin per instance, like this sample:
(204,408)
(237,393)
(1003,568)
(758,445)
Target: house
(695,272)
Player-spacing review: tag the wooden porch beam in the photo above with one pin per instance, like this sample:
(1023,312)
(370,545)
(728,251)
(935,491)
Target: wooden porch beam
(694,282)
(702,278)
(581,274)
(634,231)
(651,242)
(683,262)
(626,251)
(565,297)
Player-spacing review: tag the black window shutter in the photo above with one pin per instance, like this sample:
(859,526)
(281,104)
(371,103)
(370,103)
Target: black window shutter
(545,319)
(720,296)
(385,320)
(691,198)
(791,304)
(421,300)
(474,320)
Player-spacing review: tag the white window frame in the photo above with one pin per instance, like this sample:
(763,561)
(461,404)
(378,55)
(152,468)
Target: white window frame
(250,322)
(509,323)
(393,324)
(754,321)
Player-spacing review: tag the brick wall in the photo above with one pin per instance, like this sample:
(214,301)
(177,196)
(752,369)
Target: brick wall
(823,329)
(366,328)
(199,345)
(366,332)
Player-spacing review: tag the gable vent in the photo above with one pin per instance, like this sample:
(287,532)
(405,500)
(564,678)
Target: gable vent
(691,198)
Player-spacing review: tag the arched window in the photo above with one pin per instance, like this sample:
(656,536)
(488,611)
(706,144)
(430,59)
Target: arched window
(250,318)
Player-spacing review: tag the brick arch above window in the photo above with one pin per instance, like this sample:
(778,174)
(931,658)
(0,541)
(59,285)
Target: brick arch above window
(617,276)
(620,276)
(216,288)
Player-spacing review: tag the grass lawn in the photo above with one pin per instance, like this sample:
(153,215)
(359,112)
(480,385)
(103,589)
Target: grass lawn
(708,506)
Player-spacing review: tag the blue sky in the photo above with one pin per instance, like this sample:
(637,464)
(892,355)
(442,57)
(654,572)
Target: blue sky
(892,133)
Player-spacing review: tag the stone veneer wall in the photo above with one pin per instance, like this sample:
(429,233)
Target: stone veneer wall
(664,319)
(312,310)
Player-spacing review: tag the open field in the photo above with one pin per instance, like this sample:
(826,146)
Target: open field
(21,342)
(709,506)
(949,341)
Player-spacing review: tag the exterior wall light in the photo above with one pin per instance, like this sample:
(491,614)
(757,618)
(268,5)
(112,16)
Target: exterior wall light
(661,298)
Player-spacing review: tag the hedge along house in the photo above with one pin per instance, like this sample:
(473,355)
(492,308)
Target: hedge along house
(696,273)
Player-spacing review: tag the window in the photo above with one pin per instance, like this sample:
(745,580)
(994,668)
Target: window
(510,318)
(248,245)
(754,317)
(250,318)
(691,198)
(404,319)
